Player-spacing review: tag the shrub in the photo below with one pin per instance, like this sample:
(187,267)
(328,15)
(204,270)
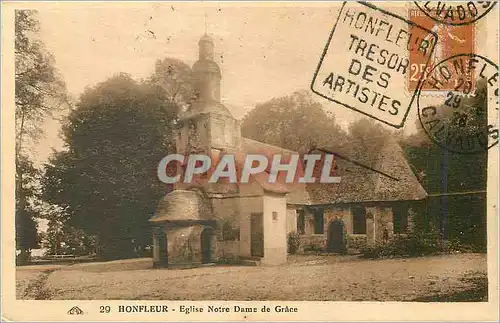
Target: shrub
(293,242)
(413,245)
(371,252)
(355,242)
(313,247)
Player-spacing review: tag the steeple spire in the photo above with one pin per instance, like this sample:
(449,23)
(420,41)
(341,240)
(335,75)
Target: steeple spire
(205,20)
(206,48)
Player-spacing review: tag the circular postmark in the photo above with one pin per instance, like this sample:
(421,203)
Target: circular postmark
(455,13)
(465,120)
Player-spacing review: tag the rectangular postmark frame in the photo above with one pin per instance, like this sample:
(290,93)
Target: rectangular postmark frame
(332,64)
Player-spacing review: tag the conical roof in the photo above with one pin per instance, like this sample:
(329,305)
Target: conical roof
(206,38)
(183,205)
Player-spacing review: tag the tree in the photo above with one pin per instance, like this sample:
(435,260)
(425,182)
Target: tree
(26,211)
(295,122)
(106,179)
(175,77)
(39,92)
(459,218)
(63,239)
(369,134)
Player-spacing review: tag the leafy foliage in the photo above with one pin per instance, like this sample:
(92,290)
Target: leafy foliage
(413,245)
(294,122)
(39,92)
(106,179)
(26,206)
(293,242)
(459,219)
(175,77)
(63,239)
(26,210)
(369,134)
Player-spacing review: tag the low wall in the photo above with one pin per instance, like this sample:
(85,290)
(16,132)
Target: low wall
(315,241)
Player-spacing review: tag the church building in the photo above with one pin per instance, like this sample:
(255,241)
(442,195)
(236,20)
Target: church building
(196,224)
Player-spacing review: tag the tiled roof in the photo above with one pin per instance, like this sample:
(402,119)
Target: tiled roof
(389,179)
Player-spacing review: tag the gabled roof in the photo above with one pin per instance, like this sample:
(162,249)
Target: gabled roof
(373,170)
(296,192)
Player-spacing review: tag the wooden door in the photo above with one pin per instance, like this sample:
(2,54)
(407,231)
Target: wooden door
(206,245)
(257,235)
(336,236)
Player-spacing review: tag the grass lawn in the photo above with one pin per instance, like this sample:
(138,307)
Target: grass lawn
(333,278)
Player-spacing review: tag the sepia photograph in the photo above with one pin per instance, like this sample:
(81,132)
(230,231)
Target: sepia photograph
(259,156)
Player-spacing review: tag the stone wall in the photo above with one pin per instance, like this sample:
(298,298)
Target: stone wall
(227,212)
(339,213)
(314,241)
(184,245)
(378,219)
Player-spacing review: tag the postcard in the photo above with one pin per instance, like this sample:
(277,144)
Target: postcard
(249,161)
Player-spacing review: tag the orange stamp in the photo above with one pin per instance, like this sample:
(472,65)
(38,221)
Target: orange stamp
(451,40)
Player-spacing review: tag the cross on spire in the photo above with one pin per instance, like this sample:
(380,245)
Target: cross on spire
(205,21)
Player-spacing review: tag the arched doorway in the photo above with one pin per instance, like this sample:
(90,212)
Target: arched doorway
(336,236)
(206,245)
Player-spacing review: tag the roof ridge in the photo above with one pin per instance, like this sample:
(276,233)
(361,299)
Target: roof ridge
(269,145)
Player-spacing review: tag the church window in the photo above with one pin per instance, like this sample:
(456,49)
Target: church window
(358,220)
(400,219)
(319,226)
(275,216)
(301,222)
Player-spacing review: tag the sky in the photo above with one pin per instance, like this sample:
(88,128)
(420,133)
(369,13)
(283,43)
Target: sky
(263,52)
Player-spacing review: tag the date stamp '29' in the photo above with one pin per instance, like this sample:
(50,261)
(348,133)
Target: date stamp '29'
(366,60)
(466,120)
(453,40)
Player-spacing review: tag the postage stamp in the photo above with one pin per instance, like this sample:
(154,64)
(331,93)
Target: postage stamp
(200,161)
(453,40)
(366,59)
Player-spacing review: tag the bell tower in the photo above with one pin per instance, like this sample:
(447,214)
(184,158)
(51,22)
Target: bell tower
(206,72)
(207,124)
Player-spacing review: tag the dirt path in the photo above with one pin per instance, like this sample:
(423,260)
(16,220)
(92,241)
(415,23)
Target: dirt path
(332,278)
(37,289)
(31,281)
